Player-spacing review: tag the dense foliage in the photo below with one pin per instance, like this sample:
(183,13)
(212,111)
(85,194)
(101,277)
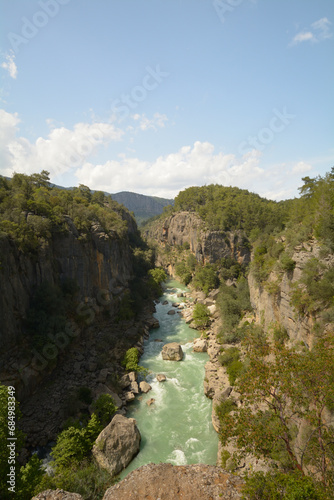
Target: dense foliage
(225,208)
(31,210)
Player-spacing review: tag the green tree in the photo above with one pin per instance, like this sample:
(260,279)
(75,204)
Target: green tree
(201,315)
(281,387)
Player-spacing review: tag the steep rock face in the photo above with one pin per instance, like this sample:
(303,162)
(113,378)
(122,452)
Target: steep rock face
(208,246)
(100,264)
(277,308)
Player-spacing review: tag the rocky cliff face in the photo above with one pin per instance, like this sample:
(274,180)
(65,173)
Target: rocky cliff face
(100,264)
(187,228)
(273,308)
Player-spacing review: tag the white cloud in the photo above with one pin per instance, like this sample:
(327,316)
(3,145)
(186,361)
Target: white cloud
(322,26)
(304,37)
(301,167)
(10,65)
(320,31)
(158,121)
(190,166)
(62,150)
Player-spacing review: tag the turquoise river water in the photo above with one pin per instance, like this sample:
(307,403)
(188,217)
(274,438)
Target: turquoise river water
(177,427)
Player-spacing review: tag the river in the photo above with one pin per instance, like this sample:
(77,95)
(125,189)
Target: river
(177,427)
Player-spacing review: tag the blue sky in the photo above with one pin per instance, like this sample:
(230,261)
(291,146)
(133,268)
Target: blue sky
(153,96)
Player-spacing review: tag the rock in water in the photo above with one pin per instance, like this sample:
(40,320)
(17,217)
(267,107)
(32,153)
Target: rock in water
(172,352)
(117,444)
(144,386)
(161,377)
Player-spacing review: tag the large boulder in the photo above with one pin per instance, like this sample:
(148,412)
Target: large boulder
(172,352)
(117,444)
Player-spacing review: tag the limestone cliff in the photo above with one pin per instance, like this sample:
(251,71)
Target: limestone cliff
(188,229)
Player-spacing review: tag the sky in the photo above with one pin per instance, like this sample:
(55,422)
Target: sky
(154,96)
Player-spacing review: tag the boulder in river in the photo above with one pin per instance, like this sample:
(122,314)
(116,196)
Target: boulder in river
(150,402)
(117,444)
(172,311)
(161,377)
(144,386)
(172,352)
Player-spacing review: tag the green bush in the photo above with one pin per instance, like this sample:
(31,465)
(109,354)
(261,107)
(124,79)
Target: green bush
(205,278)
(183,272)
(201,315)
(231,360)
(282,486)
(130,361)
(287,264)
(233,302)
(104,408)
(85,478)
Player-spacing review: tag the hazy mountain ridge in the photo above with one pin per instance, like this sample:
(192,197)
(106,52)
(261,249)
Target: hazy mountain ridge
(143,206)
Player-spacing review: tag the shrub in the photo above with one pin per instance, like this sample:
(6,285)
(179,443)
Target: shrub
(282,485)
(130,361)
(201,315)
(205,278)
(231,360)
(287,264)
(104,408)
(85,478)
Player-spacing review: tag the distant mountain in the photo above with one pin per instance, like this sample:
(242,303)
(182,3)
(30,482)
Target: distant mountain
(141,205)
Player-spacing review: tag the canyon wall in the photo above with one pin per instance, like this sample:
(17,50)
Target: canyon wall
(187,229)
(99,263)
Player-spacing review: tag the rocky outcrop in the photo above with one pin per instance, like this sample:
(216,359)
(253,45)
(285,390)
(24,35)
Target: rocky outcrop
(117,444)
(57,495)
(172,352)
(170,482)
(188,229)
(276,308)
